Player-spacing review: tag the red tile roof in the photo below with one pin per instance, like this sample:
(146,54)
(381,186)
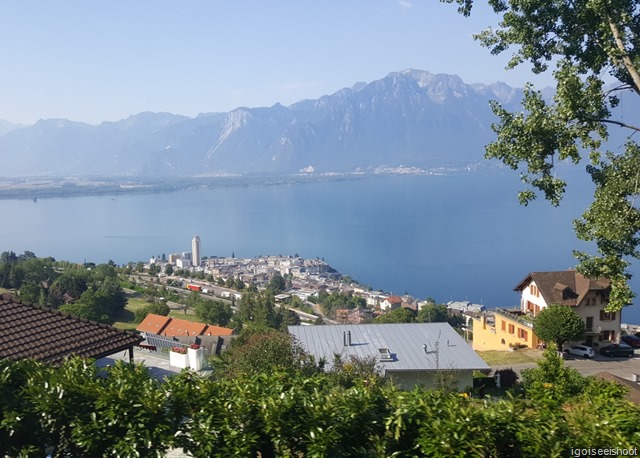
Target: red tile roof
(153,324)
(174,327)
(179,327)
(47,335)
(212,330)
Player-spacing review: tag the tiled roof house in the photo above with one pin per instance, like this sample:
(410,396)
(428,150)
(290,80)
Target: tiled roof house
(176,327)
(153,324)
(391,303)
(586,296)
(49,336)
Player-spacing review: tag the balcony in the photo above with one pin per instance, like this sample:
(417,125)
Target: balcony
(516,316)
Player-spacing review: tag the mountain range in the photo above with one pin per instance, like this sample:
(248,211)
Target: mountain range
(411,118)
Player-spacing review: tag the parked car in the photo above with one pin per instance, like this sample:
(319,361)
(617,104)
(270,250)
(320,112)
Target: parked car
(580,350)
(621,349)
(631,340)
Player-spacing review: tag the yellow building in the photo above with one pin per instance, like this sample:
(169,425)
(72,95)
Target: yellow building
(587,297)
(506,329)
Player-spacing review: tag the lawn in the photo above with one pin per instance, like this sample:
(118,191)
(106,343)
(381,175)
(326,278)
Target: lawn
(182,315)
(126,320)
(505,358)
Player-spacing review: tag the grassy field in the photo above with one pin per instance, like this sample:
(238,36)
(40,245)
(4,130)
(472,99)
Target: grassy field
(505,358)
(180,314)
(126,320)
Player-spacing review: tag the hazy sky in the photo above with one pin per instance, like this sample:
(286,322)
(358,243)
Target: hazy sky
(103,61)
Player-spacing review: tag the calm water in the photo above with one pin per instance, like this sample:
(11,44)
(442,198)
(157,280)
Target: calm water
(451,237)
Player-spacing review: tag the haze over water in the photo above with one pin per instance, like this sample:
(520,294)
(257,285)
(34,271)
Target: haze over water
(450,237)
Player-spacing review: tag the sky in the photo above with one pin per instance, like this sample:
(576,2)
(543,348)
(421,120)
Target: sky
(104,61)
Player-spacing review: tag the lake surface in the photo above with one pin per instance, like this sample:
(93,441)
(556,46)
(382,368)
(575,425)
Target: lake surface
(450,237)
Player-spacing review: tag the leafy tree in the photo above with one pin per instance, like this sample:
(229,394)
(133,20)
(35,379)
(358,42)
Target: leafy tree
(213,312)
(32,292)
(71,284)
(277,284)
(590,43)
(432,313)
(168,269)
(8,257)
(399,315)
(154,269)
(558,324)
(258,309)
(263,350)
(552,381)
(286,317)
(336,300)
(347,372)
(157,308)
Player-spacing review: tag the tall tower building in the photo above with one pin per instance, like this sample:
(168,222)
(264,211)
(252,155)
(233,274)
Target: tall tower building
(195,251)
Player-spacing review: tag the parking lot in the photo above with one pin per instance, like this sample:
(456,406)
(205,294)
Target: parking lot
(622,367)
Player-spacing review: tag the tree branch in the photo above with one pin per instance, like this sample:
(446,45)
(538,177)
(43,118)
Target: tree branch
(623,87)
(626,60)
(618,123)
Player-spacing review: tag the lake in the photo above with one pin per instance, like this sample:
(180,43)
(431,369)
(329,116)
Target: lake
(450,237)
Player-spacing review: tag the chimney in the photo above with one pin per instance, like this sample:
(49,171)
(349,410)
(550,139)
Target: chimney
(348,338)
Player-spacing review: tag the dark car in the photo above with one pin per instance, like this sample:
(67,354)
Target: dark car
(621,349)
(631,340)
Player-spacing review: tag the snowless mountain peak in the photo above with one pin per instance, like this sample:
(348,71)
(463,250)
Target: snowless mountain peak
(412,118)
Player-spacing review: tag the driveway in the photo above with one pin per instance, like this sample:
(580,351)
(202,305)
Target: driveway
(622,367)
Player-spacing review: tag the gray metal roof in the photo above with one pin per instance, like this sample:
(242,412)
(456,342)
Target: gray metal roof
(413,346)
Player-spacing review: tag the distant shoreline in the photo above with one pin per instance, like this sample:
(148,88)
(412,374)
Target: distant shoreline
(55,187)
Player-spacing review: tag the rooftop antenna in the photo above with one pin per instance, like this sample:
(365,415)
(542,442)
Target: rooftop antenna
(436,351)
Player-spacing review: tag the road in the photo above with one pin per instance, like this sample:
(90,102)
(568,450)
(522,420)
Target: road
(215,292)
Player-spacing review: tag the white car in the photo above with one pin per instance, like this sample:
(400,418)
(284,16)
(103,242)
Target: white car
(580,350)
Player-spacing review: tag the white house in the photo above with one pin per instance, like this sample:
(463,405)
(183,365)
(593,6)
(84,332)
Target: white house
(587,297)
(391,303)
(410,353)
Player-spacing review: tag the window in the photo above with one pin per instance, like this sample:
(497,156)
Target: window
(512,329)
(534,290)
(522,334)
(504,325)
(589,324)
(607,316)
(608,335)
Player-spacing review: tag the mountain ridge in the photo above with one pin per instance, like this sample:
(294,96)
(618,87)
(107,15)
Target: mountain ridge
(410,118)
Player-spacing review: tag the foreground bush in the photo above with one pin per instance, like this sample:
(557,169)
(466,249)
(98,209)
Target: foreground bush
(73,411)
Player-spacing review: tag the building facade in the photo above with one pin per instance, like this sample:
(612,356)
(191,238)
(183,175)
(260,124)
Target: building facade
(587,297)
(503,330)
(195,251)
